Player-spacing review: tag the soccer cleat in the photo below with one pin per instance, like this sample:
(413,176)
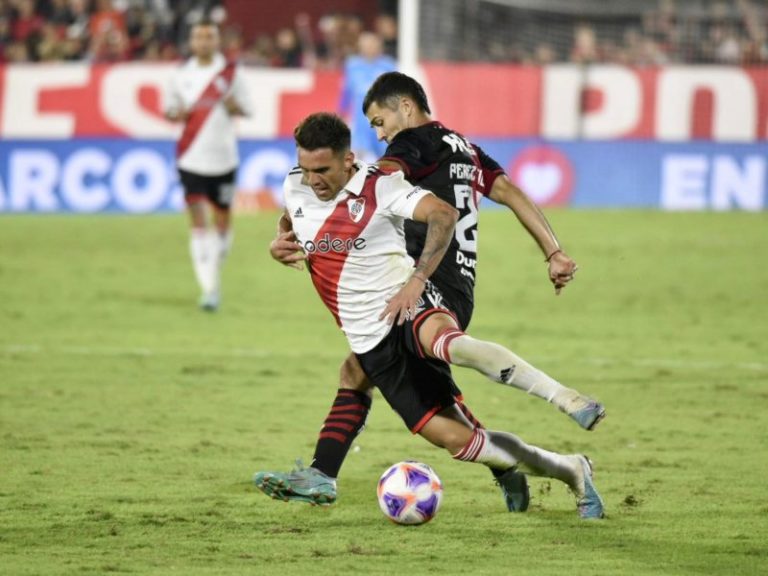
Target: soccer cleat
(589,414)
(301,484)
(514,487)
(589,503)
(210,301)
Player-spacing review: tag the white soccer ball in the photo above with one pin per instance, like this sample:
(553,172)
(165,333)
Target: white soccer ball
(410,493)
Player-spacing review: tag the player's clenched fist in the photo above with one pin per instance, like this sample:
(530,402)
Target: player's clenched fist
(561,270)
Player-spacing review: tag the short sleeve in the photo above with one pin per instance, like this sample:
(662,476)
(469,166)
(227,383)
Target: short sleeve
(414,155)
(394,194)
(491,169)
(172,101)
(241,93)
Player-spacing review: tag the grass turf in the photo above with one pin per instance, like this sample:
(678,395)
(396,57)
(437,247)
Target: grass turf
(131,422)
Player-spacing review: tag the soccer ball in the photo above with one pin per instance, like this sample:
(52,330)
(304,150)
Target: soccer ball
(410,493)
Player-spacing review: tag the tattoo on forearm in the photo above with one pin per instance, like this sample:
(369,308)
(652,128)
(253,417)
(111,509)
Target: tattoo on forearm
(439,234)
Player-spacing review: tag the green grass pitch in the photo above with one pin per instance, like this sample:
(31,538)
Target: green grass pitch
(131,423)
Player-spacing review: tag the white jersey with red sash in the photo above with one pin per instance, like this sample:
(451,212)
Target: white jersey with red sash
(356,246)
(208,143)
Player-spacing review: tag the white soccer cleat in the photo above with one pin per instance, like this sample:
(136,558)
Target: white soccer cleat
(210,301)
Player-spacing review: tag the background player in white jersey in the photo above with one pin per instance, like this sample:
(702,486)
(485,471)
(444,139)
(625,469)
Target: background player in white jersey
(205,94)
(349,219)
(458,172)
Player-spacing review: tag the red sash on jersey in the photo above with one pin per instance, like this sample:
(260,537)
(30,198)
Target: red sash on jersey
(212,95)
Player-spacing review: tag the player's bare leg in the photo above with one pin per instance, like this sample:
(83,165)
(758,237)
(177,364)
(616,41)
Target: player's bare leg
(450,430)
(441,338)
(453,429)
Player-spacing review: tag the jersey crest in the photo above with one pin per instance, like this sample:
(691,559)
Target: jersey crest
(356,207)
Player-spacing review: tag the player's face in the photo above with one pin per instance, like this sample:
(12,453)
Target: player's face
(204,41)
(388,121)
(324,171)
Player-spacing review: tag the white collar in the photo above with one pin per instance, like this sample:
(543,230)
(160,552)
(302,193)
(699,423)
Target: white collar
(355,184)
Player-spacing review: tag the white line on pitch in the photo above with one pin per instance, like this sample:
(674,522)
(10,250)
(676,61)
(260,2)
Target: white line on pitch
(31,349)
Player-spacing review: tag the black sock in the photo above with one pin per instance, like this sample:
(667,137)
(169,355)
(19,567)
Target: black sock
(342,425)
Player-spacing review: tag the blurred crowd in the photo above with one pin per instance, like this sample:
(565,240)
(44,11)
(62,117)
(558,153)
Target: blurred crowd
(157,30)
(648,33)
(656,33)
(324,44)
(721,32)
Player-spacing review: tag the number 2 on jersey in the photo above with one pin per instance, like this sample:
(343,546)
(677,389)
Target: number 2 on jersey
(466,227)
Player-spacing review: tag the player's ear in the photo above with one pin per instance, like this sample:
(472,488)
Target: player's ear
(406,106)
(349,159)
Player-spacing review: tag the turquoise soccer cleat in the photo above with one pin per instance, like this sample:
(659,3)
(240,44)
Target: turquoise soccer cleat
(514,486)
(588,415)
(301,484)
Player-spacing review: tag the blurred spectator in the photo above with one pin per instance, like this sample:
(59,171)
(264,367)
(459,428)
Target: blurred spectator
(261,52)
(584,49)
(544,54)
(109,36)
(385,27)
(288,51)
(27,23)
(78,29)
(232,43)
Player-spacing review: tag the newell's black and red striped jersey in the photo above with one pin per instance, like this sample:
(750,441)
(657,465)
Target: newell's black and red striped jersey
(457,171)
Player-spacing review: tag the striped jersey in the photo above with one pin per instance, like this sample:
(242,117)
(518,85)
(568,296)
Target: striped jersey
(355,246)
(208,145)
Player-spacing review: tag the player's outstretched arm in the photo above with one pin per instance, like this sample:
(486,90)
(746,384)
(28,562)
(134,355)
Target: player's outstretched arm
(284,248)
(440,218)
(561,266)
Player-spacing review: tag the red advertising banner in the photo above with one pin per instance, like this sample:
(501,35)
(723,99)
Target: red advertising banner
(557,102)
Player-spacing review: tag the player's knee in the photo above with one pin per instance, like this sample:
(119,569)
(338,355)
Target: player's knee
(441,342)
(452,435)
(352,377)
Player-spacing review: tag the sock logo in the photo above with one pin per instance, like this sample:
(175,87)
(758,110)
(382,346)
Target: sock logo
(507,374)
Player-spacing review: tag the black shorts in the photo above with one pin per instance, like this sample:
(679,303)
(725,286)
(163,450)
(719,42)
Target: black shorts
(458,303)
(219,190)
(415,387)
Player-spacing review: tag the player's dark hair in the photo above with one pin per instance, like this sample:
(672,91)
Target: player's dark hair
(391,86)
(322,130)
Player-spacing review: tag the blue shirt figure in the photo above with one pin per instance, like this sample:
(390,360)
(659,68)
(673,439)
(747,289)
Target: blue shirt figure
(360,71)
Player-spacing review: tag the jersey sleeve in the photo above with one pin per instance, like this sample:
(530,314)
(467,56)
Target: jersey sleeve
(491,170)
(172,101)
(412,154)
(395,195)
(241,93)
(288,192)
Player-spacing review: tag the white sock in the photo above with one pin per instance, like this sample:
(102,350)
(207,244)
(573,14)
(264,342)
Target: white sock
(503,366)
(502,450)
(223,243)
(220,245)
(199,249)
